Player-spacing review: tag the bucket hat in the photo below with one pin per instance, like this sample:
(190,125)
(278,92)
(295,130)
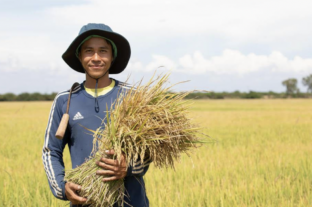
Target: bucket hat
(122,55)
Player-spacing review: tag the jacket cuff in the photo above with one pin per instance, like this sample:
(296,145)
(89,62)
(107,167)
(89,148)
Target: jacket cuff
(63,190)
(129,171)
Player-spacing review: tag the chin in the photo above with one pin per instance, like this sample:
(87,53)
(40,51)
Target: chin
(97,73)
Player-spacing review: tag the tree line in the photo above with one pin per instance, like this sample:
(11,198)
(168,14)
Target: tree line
(245,95)
(197,95)
(27,97)
(292,91)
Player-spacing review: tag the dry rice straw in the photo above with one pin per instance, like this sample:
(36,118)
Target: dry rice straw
(146,121)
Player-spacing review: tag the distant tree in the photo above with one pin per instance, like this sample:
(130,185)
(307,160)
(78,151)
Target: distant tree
(52,96)
(8,97)
(36,97)
(291,86)
(252,95)
(23,97)
(307,81)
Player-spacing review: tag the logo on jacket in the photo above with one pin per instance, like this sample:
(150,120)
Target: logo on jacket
(78,116)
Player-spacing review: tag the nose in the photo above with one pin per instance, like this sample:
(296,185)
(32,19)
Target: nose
(95,57)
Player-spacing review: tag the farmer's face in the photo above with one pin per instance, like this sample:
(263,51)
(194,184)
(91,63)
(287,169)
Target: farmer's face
(96,56)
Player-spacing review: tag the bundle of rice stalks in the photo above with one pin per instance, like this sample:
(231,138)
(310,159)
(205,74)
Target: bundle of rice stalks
(146,121)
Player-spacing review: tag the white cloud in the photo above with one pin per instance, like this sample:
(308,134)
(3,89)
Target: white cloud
(230,62)
(135,66)
(301,64)
(160,61)
(33,53)
(243,20)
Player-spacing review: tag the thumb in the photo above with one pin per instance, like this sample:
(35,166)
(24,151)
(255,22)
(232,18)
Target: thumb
(74,186)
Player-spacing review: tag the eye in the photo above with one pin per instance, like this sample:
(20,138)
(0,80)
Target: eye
(103,51)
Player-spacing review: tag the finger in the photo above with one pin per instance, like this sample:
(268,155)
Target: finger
(110,178)
(105,172)
(110,152)
(123,157)
(112,167)
(106,166)
(109,161)
(73,196)
(74,186)
(78,200)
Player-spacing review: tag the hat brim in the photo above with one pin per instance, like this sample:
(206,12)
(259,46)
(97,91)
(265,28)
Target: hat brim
(120,62)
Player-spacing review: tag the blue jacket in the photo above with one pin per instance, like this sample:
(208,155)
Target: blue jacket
(82,113)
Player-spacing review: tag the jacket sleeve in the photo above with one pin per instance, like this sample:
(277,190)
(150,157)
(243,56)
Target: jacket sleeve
(137,168)
(52,152)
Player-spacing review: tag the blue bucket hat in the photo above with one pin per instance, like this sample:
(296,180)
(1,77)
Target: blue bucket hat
(120,46)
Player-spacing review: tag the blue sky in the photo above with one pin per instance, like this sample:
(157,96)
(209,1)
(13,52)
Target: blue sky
(220,45)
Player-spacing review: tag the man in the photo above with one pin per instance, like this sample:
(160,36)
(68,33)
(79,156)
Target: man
(97,51)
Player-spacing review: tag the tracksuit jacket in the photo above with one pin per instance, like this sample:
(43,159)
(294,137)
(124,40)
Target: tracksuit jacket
(82,114)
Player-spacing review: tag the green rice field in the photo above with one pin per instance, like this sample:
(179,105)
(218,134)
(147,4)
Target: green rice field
(261,156)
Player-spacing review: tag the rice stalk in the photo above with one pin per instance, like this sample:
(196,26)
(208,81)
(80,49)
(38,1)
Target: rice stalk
(147,121)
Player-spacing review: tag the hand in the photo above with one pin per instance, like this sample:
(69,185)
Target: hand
(71,193)
(112,169)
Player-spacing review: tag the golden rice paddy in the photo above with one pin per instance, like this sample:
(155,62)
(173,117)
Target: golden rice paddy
(261,157)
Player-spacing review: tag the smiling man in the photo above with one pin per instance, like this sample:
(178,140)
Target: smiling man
(97,51)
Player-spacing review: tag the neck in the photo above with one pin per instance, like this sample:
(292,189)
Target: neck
(102,82)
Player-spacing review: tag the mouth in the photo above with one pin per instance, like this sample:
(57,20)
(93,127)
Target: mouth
(96,66)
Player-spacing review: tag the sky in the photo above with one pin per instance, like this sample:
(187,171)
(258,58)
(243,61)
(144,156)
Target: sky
(223,45)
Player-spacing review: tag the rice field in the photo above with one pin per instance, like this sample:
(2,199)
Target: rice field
(261,157)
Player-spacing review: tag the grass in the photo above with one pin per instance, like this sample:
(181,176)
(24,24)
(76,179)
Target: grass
(262,157)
